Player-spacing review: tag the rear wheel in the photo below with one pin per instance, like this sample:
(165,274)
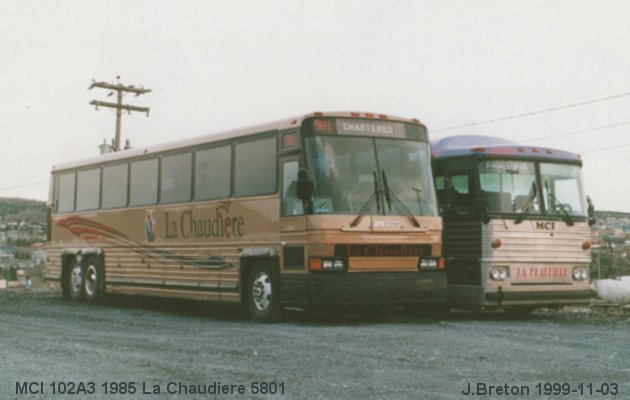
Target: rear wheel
(93,280)
(262,294)
(74,281)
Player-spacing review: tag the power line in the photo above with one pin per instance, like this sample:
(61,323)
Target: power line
(596,128)
(23,186)
(604,148)
(528,114)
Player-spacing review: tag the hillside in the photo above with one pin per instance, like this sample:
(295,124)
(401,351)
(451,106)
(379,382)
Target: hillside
(17,210)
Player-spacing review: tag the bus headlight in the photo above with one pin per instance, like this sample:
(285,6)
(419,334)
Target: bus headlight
(436,263)
(326,264)
(500,273)
(580,274)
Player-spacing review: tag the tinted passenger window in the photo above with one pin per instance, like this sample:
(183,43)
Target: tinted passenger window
(144,182)
(114,186)
(255,167)
(65,194)
(213,173)
(176,178)
(88,189)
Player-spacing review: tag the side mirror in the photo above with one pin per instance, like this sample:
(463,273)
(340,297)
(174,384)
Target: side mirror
(591,211)
(305,190)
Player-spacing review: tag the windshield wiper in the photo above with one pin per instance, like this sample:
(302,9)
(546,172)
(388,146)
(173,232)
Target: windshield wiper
(528,204)
(374,198)
(563,210)
(391,197)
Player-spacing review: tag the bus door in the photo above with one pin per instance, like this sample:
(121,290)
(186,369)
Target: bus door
(462,218)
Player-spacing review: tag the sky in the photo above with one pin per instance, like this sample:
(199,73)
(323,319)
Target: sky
(539,72)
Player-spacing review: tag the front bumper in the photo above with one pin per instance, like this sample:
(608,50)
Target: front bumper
(367,288)
(507,296)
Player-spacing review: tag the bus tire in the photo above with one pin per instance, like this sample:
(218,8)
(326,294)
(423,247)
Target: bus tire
(262,294)
(92,280)
(74,285)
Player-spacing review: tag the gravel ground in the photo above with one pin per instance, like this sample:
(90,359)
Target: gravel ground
(177,346)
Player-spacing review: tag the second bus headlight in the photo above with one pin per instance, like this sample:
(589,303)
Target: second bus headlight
(500,273)
(580,274)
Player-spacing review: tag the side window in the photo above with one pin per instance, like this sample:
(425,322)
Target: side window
(88,189)
(144,182)
(114,186)
(65,192)
(255,167)
(176,178)
(213,170)
(439,182)
(460,184)
(455,191)
(291,205)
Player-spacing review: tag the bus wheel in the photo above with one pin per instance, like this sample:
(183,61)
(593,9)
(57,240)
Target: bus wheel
(262,296)
(74,281)
(92,281)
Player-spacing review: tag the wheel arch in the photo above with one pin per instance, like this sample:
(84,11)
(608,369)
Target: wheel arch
(249,257)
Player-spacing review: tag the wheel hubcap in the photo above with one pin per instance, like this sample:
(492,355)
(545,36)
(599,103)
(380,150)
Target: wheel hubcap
(90,280)
(76,278)
(261,291)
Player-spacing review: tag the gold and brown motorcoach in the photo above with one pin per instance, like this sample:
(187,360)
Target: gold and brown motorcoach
(516,224)
(322,210)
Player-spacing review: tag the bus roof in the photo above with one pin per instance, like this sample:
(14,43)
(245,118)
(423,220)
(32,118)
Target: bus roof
(283,124)
(484,146)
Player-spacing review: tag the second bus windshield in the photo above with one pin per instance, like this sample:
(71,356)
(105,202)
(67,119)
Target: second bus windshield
(511,186)
(346,169)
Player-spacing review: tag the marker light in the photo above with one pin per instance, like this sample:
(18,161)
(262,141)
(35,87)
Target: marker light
(496,244)
(586,245)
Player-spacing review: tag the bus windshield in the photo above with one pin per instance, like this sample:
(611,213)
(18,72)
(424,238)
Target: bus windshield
(562,189)
(347,171)
(509,186)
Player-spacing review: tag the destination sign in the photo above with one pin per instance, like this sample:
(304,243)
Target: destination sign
(371,128)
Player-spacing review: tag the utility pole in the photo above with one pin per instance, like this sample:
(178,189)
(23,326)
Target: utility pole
(120,90)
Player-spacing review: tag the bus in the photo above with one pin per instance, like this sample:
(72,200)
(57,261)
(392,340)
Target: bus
(324,210)
(516,224)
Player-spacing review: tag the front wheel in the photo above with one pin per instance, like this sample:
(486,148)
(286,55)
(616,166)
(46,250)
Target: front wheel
(262,294)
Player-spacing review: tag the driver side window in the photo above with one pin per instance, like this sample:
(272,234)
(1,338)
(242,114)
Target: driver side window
(454,192)
(291,204)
